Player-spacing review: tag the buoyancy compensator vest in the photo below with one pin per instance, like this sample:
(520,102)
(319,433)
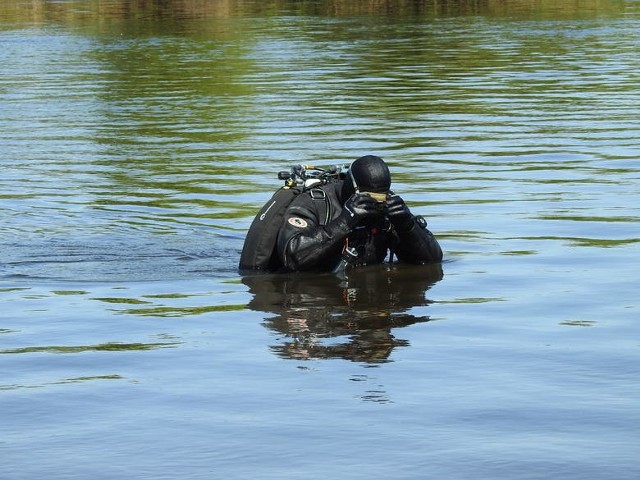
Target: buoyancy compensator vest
(259,251)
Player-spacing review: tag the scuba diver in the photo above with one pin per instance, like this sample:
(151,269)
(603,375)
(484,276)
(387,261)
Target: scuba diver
(354,221)
(326,220)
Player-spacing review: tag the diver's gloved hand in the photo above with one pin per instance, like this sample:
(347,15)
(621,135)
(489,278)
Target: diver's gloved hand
(398,213)
(358,208)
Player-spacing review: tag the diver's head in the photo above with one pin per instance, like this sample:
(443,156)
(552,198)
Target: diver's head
(368,174)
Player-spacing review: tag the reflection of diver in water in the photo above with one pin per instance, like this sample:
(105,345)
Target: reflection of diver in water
(325,316)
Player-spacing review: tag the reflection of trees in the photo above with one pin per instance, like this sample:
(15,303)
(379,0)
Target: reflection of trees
(87,12)
(181,10)
(173,106)
(188,90)
(323,316)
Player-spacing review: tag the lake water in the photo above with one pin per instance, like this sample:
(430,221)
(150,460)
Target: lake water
(137,141)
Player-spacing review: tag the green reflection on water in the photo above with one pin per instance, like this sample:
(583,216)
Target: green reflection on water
(473,300)
(168,311)
(13,289)
(64,381)
(589,242)
(585,218)
(168,295)
(130,301)
(149,16)
(103,347)
(578,323)
(177,86)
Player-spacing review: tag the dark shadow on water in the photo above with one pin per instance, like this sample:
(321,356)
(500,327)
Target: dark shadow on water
(322,316)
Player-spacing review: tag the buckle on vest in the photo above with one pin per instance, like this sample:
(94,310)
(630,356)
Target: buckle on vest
(318,194)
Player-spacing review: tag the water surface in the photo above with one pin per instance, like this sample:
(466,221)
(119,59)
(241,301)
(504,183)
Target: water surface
(139,138)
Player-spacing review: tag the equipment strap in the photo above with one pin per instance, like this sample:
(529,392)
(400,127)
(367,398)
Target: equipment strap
(322,204)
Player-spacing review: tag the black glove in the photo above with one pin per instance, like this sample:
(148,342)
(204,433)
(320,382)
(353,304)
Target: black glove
(398,213)
(359,207)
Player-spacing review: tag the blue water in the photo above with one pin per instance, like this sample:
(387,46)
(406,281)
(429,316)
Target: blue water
(137,145)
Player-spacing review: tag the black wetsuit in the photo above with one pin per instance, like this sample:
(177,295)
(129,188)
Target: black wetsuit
(314,235)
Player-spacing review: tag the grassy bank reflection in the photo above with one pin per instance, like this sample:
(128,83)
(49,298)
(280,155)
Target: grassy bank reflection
(84,12)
